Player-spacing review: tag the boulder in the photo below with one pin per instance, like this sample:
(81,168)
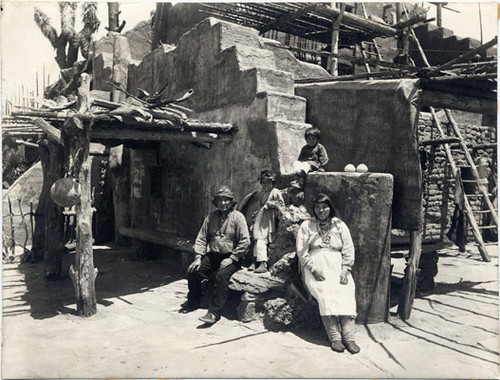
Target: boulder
(245,281)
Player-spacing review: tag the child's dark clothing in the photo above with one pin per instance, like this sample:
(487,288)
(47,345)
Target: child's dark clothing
(316,156)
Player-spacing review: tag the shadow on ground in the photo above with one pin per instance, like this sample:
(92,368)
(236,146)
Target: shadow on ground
(120,273)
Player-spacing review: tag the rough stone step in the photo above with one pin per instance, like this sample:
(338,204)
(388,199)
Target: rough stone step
(440,33)
(425,28)
(279,106)
(274,80)
(290,140)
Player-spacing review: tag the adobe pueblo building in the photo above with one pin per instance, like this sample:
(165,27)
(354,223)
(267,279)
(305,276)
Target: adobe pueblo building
(223,95)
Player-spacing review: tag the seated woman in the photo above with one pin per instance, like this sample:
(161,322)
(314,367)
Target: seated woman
(326,255)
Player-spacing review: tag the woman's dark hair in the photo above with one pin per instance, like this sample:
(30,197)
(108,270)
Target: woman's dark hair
(267,174)
(313,131)
(323,198)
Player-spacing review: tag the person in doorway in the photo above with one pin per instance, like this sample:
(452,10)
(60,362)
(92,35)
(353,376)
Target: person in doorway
(326,256)
(266,220)
(222,242)
(313,155)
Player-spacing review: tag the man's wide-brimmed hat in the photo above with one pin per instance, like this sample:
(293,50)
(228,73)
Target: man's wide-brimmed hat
(224,191)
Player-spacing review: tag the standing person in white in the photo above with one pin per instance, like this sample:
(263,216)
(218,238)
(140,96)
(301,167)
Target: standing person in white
(326,255)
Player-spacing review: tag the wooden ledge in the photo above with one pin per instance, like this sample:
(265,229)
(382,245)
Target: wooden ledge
(160,238)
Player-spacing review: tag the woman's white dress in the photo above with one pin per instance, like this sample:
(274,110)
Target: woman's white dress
(328,257)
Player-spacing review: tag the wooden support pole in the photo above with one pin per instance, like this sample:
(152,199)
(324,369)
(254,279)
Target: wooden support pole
(12,229)
(335,41)
(416,40)
(76,137)
(439,15)
(410,277)
(25,225)
(32,223)
(48,238)
(119,169)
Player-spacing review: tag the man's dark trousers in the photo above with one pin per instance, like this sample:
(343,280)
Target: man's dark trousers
(210,271)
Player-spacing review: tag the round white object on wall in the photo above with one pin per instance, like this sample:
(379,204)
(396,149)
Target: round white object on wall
(350,168)
(362,168)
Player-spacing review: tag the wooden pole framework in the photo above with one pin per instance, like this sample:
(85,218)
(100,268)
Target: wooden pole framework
(76,136)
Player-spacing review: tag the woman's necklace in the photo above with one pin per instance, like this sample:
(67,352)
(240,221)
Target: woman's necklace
(324,228)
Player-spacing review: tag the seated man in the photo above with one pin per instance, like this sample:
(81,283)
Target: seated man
(220,246)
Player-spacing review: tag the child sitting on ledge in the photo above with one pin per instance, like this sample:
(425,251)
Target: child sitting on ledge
(313,156)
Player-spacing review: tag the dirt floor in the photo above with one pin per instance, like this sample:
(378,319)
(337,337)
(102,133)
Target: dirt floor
(138,332)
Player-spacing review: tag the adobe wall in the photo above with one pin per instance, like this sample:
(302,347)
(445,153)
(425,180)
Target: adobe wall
(375,123)
(237,80)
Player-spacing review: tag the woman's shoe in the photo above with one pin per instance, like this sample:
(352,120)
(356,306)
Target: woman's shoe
(352,347)
(337,346)
(262,268)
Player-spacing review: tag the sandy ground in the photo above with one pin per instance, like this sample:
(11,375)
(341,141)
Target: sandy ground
(138,331)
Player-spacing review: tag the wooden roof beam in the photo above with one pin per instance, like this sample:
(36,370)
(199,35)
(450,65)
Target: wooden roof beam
(52,132)
(288,17)
(350,18)
(124,134)
(440,99)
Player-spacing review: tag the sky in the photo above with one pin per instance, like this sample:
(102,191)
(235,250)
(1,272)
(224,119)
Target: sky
(26,51)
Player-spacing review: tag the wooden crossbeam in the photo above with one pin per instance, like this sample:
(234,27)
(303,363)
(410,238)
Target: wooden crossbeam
(441,99)
(52,132)
(285,19)
(350,18)
(160,238)
(124,134)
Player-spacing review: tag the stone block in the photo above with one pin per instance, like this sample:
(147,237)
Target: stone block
(363,202)
(249,57)
(140,39)
(278,106)
(102,71)
(290,139)
(286,61)
(274,80)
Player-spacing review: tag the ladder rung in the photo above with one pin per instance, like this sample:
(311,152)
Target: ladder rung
(476,195)
(485,227)
(482,212)
(482,180)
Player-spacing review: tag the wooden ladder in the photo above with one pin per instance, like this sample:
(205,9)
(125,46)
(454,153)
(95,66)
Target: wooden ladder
(483,193)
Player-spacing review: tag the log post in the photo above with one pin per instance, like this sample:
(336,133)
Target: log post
(119,165)
(335,41)
(410,277)
(48,241)
(76,137)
